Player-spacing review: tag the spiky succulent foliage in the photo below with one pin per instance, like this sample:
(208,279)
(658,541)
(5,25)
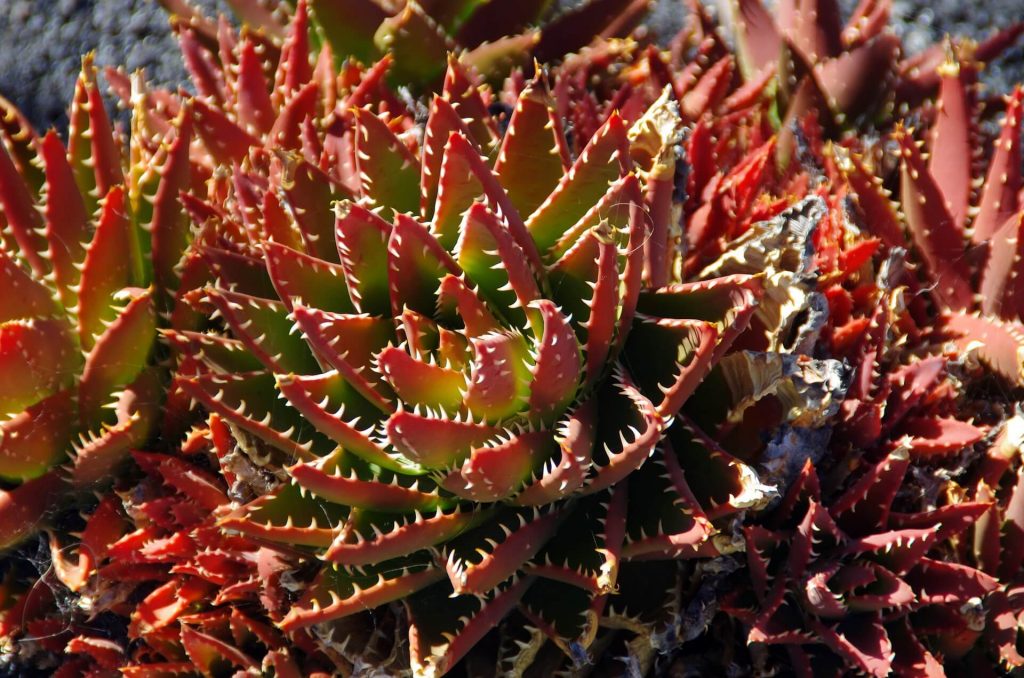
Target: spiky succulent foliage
(91,241)
(491,37)
(499,382)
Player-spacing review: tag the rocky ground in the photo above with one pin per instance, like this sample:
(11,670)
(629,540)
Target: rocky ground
(41,41)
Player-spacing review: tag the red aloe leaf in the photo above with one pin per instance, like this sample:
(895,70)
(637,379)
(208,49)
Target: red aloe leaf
(861,640)
(418,45)
(898,550)
(310,196)
(710,89)
(293,68)
(999,344)
(611,214)
(286,134)
(167,603)
(67,224)
(442,122)
(855,83)
(37,358)
(490,22)
(664,518)
(416,264)
(389,173)
(499,467)
(200,486)
(22,509)
(938,582)
(338,410)
(481,560)
(726,484)
(373,538)
(757,39)
(868,20)
(1012,528)
(362,239)
(249,401)
(950,142)
(435,442)
(466,177)
(263,326)
(1002,280)
(21,218)
(36,438)
(288,516)
(349,343)
(669,358)
(952,519)
(629,426)
(168,227)
(23,143)
(205,72)
(729,302)
(349,29)
(498,267)
(879,211)
(420,383)
(605,159)
(457,301)
(499,382)
(937,436)
(94,152)
(556,372)
(932,225)
(444,629)
(462,91)
(227,142)
(206,652)
(576,27)
(533,154)
(108,654)
(812,25)
(1004,624)
(338,592)
(1000,195)
(97,455)
(562,476)
(109,264)
(255,111)
(117,358)
(339,478)
(24,297)
(309,281)
(866,504)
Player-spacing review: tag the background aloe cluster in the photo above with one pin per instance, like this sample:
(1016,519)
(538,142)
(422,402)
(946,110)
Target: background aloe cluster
(460,338)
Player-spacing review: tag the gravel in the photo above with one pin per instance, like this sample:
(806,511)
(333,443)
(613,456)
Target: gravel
(41,42)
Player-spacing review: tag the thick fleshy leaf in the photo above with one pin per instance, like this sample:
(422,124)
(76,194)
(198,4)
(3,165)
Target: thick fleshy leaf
(605,159)
(389,174)
(307,280)
(118,357)
(362,239)
(498,468)
(435,442)
(418,44)
(37,358)
(443,628)
(344,479)
(1001,190)
(264,327)
(288,516)
(499,381)
(22,508)
(999,344)
(669,358)
(339,591)
(493,261)
(108,267)
(930,436)
(1002,281)
(336,409)
(348,29)
(349,344)
(416,264)
(369,538)
(67,223)
(932,225)
(24,297)
(249,401)
(951,142)
(442,122)
(533,154)
(37,437)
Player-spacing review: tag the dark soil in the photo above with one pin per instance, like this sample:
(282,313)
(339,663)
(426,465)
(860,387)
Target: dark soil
(41,42)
